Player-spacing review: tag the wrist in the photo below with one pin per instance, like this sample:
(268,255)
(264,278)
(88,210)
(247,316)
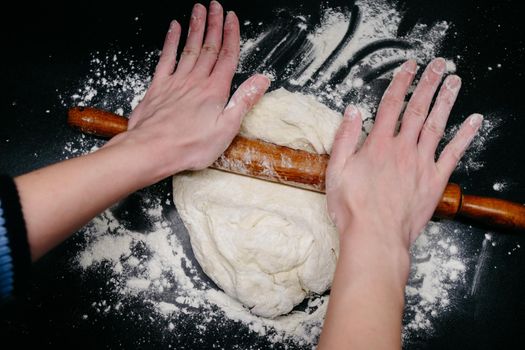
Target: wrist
(389,230)
(141,156)
(380,246)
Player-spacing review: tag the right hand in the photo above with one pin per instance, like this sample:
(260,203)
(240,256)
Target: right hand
(393,183)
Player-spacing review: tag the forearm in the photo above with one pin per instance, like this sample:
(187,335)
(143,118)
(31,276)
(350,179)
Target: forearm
(59,199)
(367,295)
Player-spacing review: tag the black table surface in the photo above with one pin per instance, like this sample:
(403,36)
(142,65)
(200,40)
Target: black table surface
(46,48)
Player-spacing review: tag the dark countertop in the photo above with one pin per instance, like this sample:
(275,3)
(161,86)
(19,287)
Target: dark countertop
(47,48)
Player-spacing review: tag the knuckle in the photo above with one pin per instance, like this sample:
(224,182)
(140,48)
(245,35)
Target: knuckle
(210,49)
(390,100)
(196,23)
(214,26)
(416,111)
(190,51)
(433,128)
(229,53)
(446,97)
(229,29)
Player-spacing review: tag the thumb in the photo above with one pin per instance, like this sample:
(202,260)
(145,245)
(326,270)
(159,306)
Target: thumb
(246,96)
(345,143)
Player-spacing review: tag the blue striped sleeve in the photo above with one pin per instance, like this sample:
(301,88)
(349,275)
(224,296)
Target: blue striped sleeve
(6,260)
(15,256)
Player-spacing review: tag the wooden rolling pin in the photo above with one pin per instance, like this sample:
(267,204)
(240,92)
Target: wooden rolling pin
(306,170)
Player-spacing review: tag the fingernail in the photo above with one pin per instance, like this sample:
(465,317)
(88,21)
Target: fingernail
(255,84)
(410,66)
(229,17)
(259,82)
(475,120)
(195,11)
(265,81)
(438,65)
(215,7)
(453,83)
(173,25)
(351,112)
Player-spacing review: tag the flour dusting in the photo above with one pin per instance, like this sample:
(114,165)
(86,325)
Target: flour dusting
(116,82)
(156,266)
(499,186)
(348,57)
(343,57)
(437,269)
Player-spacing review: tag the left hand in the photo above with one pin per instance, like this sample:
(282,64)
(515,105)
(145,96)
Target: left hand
(182,123)
(184,116)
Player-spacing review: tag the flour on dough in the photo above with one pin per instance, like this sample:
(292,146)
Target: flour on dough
(265,244)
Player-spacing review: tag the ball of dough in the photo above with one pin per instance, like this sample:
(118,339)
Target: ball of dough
(265,244)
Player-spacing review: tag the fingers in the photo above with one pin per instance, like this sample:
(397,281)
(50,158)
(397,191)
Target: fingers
(456,148)
(212,43)
(229,55)
(436,122)
(243,100)
(192,49)
(168,57)
(345,143)
(417,109)
(392,102)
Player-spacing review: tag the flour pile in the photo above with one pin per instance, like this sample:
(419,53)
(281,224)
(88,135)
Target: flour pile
(154,265)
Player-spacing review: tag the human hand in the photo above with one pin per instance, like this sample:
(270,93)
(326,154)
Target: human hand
(183,117)
(393,183)
(182,123)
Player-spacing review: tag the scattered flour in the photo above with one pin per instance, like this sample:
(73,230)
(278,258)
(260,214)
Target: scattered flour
(158,267)
(437,268)
(155,264)
(499,186)
(339,59)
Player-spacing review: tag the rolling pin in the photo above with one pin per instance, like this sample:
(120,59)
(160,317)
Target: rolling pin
(306,170)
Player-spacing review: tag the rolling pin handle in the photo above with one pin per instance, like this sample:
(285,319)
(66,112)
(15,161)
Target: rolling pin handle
(96,122)
(450,204)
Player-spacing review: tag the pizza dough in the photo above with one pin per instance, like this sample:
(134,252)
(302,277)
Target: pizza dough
(267,245)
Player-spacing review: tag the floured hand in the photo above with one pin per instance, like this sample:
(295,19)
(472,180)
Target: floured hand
(393,182)
(182,123)
(184,115)
(380,197)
